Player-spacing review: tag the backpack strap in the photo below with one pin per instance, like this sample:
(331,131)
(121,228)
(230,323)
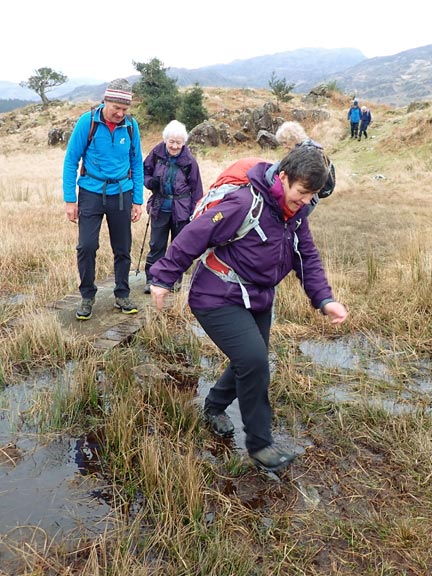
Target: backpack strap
(93,127)
(225,273)
(251,220)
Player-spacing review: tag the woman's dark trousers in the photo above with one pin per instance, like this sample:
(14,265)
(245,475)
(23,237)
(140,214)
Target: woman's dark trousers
(243,336)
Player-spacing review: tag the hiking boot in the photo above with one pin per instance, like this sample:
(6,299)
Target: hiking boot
(84,312)
(125,305)
(147,288)
(220,423)
(272,458)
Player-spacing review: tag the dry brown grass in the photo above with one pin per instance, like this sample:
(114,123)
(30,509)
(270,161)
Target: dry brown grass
(337,511)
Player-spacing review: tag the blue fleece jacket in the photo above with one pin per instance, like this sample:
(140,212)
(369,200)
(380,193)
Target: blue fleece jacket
(109,156)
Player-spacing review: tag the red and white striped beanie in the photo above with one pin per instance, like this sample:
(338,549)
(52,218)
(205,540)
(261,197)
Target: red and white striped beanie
(119,90)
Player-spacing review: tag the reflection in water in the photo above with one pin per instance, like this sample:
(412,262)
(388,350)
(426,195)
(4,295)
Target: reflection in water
(55,487)
(359,354)
(50,486)
(47,488)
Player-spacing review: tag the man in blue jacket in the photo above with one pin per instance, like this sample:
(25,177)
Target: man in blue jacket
(232,296)
(354,117)
(110,184)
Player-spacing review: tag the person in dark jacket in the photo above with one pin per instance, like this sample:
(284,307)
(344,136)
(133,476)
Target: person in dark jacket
(172,173)
(110,184)
(354,118)
(365,120)
(233,286)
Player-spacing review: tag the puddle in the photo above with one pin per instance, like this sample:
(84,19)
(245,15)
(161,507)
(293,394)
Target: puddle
(346,354)
(53,485)
(49,485)
(403,395)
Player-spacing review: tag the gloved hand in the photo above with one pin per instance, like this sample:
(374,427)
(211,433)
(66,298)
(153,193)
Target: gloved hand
(155,184)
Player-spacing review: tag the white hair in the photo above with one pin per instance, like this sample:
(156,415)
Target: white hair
(290,133)
(175,129)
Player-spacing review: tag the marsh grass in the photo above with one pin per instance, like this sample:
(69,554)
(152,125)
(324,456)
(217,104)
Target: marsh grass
(358,499)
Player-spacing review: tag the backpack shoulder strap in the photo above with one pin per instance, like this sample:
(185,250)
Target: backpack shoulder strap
(93,127)
(130,129)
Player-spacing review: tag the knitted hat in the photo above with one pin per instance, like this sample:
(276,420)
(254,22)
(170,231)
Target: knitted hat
(119,90)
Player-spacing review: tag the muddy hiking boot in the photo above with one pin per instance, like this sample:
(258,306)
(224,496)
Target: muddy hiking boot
(272,458)
(147,288)
(84,312)
(125,305)
(220,424)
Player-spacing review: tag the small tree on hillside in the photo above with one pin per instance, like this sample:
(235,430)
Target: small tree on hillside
(192,111)
(44,79)
(160,94)
(280,89)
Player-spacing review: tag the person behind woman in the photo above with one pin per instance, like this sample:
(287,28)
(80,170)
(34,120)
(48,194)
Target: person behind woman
(172,173)
(233,286)
(289,134)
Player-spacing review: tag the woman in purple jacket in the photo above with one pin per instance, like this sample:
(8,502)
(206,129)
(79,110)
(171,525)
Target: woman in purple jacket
(233,286)
(172,173)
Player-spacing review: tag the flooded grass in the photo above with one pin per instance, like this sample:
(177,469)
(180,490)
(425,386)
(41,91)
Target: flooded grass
(106,466)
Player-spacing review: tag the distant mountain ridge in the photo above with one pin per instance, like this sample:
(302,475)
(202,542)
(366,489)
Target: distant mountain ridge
(397,80)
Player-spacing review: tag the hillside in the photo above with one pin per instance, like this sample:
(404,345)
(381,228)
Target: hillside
(397,80)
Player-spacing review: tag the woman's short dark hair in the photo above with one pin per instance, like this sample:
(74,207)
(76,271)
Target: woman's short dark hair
(305,164)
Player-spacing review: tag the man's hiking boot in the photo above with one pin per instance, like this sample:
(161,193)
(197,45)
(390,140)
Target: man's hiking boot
(272,458)
(147,288)
(84,312)
(220,423)
(125,305)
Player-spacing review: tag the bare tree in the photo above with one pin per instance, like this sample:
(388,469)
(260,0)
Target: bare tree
(44,79)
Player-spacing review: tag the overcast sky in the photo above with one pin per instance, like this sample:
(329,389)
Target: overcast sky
(99,40)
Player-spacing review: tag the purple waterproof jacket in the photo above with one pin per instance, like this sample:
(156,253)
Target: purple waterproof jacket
(187,187)
(261,264)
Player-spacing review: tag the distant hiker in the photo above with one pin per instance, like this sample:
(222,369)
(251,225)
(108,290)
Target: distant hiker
(172,173)
(354,118)
(110,183)
(233,286)
(365,120)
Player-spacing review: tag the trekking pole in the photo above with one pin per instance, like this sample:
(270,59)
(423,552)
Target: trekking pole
(142,247)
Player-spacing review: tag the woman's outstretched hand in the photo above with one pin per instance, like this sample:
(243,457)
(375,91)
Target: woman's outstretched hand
(158,295)
(336,312)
